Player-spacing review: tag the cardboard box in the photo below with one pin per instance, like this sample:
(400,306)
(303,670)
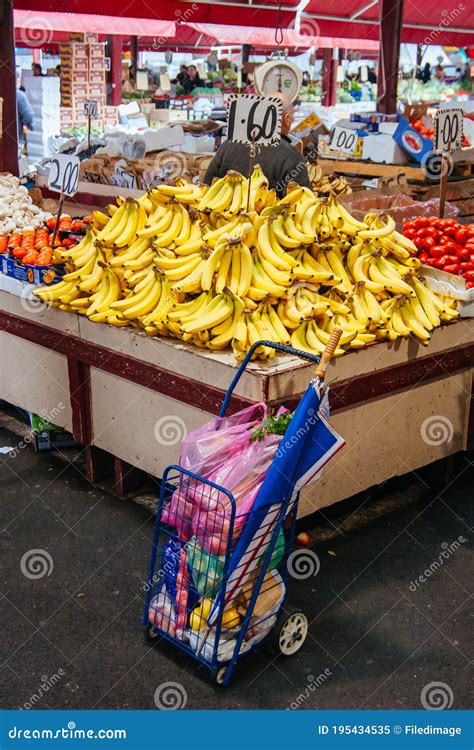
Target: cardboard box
(73,77)
(90,37)
(412,142)
(97,63)
(74,64)
(97,50)
(75,50)
(382,149)
(31,274)
(167,115)
(96,90)
(97,76)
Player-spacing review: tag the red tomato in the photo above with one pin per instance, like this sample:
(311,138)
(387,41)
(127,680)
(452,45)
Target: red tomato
(463,254)
(431,262)
(421,221)
(461,236)
(451,269)
(418,242)
(438,251)
(409,225)
(423,256)
(466,267)
(446,260)
(469,284)
(431,232)
(410,232)
(450,231)
(428,243)
(451,247)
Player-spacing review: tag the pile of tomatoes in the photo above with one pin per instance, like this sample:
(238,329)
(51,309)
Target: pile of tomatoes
(68,224)
(444,244)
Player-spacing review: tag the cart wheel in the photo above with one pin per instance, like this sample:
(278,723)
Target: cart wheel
(290,631)
(150,633)
(220,675)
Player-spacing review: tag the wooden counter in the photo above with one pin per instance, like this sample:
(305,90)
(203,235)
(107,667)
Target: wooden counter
(130,398)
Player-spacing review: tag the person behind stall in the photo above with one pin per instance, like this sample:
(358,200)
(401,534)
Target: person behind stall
(439,73)
(182,75)
(24,112)
(193,81)
(281,164)
(424,75)
(36,69)
(306,80)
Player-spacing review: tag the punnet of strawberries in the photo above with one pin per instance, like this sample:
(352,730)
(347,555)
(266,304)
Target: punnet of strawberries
(444,244)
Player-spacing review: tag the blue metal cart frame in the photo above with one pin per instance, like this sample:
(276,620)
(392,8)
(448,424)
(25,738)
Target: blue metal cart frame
(177,479)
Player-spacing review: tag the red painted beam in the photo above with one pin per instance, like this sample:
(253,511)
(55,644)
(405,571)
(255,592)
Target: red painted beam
(329,83)
(391,20)
(9,141)
(114,49)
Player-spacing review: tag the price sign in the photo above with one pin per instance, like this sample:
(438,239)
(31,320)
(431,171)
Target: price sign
(90,109)
(343,139)
(121,177)
(254,119)
(448,127)
(64,174)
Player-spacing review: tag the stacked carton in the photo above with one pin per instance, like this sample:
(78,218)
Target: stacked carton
(43,94)
(83,78)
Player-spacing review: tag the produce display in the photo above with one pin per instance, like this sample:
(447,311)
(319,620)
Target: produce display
(444,244)
(191,261)
(427,131)
(17,210)
(322,184)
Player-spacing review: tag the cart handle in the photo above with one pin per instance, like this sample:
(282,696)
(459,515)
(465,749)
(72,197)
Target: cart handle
(274,345)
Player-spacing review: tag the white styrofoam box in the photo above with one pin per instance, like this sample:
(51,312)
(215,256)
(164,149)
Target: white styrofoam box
(131,108)
(388,128)
(346,123)
(163,138)
(198,144)
(382,149)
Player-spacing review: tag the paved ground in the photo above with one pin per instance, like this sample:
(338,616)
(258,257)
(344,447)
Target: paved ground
(377,638)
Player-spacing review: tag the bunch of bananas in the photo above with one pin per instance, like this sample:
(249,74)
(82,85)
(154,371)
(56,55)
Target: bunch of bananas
(230,265)
(322,184)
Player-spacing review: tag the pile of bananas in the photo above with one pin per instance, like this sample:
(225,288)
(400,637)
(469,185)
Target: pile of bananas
(230,265)
(322,184)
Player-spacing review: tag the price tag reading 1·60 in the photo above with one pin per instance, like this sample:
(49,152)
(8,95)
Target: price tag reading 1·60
(254,119)
(448,128)
(343,139)
(64,174)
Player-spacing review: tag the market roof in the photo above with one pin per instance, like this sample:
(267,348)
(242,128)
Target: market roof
(442,22)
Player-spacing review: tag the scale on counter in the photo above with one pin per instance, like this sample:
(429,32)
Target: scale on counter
(278,75)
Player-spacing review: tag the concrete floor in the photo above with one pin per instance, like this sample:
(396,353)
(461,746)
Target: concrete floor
(376,638)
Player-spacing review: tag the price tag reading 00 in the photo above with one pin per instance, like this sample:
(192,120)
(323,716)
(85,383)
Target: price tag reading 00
(448,129)
(343,139)
(64,174)
(254,119)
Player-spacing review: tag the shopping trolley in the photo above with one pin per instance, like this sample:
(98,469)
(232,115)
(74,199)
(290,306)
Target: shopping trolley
(186,601)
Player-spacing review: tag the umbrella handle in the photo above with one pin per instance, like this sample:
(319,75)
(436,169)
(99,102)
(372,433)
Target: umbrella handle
(328,353)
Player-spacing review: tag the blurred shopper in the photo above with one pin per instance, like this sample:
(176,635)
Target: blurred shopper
(36,69)
(25,115)
(193,81)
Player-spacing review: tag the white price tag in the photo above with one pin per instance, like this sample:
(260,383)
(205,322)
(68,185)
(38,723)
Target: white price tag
(64,174)
(448,128)
(343,139)
(90,109)
(254,119)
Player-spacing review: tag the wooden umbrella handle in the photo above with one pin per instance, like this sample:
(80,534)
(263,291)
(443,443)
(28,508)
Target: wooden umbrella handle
(328,353)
